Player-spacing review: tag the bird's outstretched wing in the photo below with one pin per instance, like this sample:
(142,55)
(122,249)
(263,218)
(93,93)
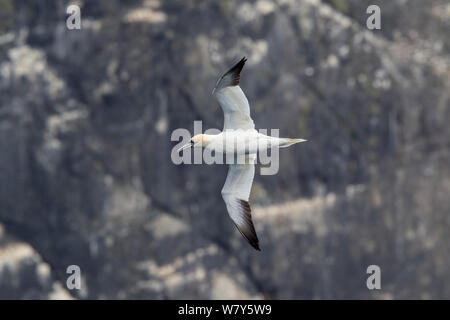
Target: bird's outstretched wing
(235,193)
(232,99)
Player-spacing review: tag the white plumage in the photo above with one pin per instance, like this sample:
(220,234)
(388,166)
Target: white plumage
(238,137)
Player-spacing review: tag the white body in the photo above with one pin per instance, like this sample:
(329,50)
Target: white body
(242,142)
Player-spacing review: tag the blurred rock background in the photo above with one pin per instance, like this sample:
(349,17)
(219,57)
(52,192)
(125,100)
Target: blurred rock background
(86,177)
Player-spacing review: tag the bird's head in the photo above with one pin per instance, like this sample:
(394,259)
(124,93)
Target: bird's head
(199,140)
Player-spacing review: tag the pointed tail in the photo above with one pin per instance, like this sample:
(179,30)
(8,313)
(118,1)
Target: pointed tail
(286,142)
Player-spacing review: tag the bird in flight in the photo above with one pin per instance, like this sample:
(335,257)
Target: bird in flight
(238,137)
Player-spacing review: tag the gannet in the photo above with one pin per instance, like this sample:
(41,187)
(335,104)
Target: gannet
(238,137)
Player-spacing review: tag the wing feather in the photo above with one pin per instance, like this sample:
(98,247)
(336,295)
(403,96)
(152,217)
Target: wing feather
(236,193)
(232,99)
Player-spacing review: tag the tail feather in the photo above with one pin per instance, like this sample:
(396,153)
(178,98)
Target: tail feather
(286,142)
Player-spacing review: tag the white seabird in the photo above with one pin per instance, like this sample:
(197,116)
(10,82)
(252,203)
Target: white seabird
(238,137)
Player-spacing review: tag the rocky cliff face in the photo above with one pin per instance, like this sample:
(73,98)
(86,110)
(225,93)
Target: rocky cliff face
(86,175)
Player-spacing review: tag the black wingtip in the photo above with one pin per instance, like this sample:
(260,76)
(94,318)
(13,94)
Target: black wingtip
(235,72)
(248,230)
(238,66)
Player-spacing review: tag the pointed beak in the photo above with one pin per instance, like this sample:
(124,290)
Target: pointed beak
(185,147)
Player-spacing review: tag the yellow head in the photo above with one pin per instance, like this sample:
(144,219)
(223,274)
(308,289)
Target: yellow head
(200,140)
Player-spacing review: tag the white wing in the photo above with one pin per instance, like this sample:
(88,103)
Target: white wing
(235,193)
(232,99)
